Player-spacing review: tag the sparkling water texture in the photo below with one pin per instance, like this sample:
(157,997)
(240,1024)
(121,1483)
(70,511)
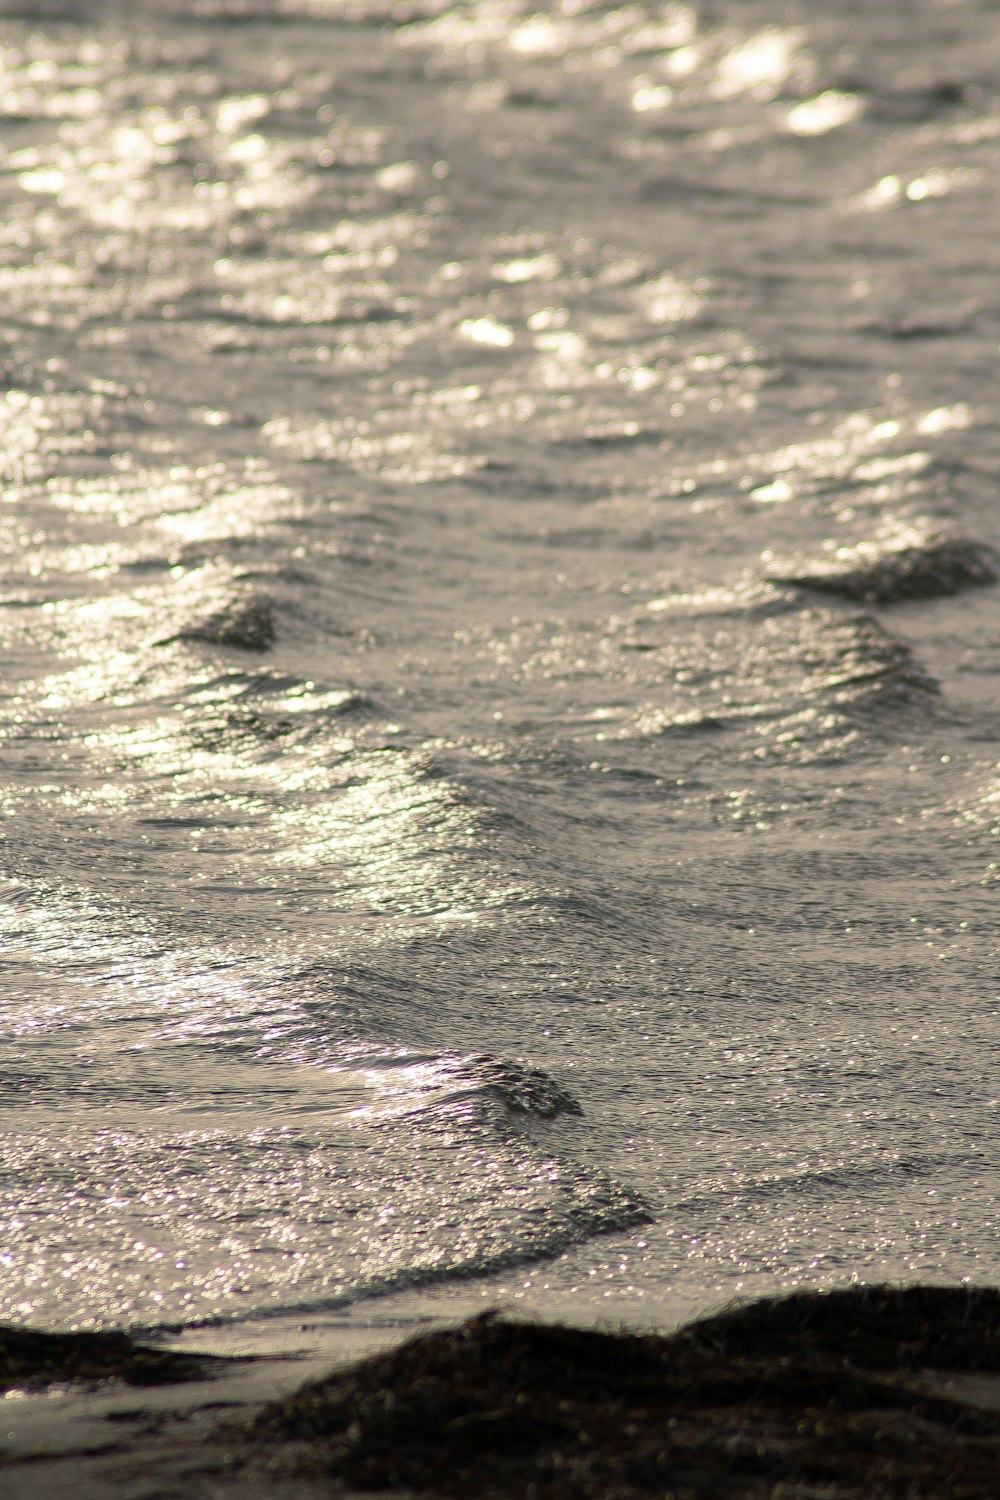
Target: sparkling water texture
(500,659)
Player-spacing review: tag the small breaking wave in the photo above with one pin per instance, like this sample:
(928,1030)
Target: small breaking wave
(245,624)
(934,569)
(498,1091)
(522,1090)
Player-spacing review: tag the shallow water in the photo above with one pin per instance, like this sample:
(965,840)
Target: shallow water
(498,776)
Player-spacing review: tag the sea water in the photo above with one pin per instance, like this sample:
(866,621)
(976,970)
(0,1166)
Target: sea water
(499,685)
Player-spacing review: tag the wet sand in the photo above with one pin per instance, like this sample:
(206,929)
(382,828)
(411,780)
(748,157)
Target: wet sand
(848,1395)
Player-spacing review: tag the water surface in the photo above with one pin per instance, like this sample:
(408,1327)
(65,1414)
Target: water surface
(499,774)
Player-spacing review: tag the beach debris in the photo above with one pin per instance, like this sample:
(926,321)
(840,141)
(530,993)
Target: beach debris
(823,1393)
(30,1358)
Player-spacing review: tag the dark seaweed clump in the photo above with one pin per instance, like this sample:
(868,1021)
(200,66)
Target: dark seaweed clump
(806,1395)
(933,570)
(873,1328)
(29,1358)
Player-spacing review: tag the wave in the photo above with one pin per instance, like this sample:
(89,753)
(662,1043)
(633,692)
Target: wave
(245,624)
(933,569)
(520,1091)
(318,1205)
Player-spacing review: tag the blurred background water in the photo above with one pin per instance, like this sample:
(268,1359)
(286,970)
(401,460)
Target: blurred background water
(499,699)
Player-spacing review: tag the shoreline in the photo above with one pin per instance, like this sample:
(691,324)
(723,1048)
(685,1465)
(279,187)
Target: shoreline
(834,1395)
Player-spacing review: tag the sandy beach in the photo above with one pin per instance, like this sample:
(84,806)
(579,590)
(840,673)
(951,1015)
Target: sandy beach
(850,1395)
